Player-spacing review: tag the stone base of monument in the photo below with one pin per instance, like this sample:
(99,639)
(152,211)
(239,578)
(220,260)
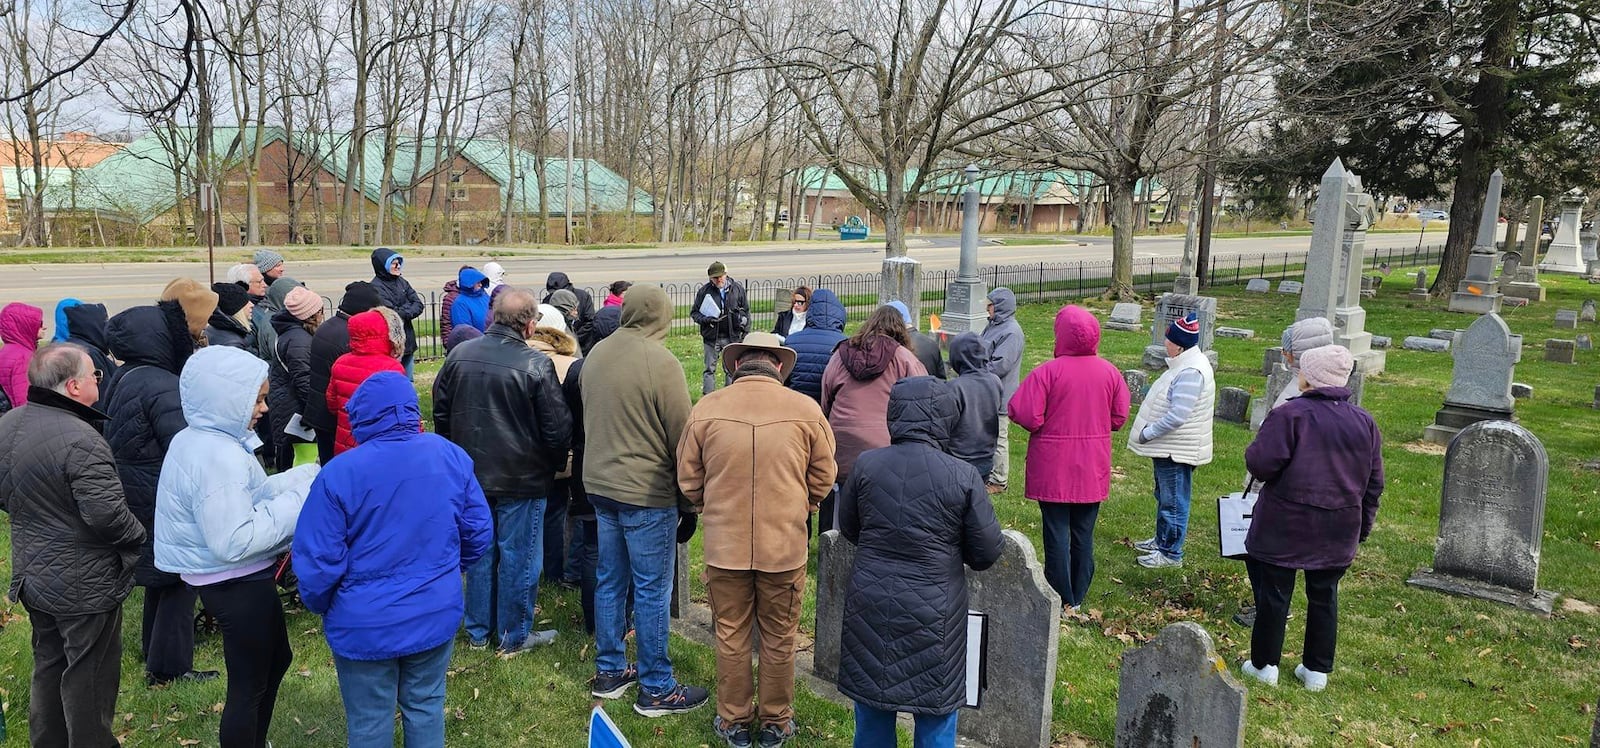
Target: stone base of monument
(1538,601)
(965,307)
(1576,267)
(900,281)
(1467,302)
(1529,291)
(1155,357)
(1452,418)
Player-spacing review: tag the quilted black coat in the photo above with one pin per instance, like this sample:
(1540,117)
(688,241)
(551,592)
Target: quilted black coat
(290,371)
(917,516)
(153,343)
(331,341)
(73,540)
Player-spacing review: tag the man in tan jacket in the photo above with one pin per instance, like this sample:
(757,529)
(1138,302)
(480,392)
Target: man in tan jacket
(756,459)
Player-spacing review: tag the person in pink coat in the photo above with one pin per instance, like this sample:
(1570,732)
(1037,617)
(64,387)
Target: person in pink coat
(19,331)
(1070,405)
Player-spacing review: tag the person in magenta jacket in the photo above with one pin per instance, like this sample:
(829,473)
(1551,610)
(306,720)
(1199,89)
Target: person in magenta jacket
(19,331)
(1070,405)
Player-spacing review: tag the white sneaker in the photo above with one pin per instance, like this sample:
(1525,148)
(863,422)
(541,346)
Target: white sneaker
(1314,680)
(1148,546)
(1159,560)
(1267,675)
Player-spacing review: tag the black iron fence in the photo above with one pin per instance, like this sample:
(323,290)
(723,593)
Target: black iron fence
(1033,282)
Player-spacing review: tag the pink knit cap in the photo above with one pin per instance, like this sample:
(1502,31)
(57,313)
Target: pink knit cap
(1328,366)
(302,303)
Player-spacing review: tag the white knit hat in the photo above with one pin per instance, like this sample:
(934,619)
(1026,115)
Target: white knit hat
(1328,366)
(550,316)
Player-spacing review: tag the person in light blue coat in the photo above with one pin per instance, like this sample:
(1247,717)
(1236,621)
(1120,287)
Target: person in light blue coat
(380,549)
(221,523)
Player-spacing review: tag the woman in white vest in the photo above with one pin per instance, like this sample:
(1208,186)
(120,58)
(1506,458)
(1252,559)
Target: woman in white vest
(1173,429)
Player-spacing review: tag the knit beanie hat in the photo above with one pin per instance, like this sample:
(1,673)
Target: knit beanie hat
(549,316)
(303,303)
(266,260)
(716,269)
(1311,332)
(1327,366)
(460,334)
(1185,332)
(359,297)
(230,298)
(198,302)
(564,300)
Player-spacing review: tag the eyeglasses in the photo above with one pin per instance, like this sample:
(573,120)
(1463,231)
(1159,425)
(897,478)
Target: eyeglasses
(99,375)
(799,301)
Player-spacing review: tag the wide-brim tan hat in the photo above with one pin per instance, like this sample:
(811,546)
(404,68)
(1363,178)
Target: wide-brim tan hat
(760,341)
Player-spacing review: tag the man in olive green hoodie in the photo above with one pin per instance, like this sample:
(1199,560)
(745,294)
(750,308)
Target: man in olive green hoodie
(635,405)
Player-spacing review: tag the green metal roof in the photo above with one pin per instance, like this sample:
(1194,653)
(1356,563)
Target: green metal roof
(608,191)
(1014,184)
(57,181)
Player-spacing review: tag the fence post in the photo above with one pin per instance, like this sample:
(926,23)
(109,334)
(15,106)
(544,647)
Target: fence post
(1080,279)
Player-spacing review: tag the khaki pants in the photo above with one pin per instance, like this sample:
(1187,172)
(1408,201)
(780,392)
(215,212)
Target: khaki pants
(1000,474)
(740,600)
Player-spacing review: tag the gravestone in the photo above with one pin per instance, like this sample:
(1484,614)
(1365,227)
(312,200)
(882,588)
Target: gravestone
(1585,342)
(1271,359)
(1126,317)
(1369,287)
(1535,237)
(1510,263)
(900,280)
(1431,345)
(678,605)
(1258,285)
(1565,255)
(1177,306)
(1024,631)
(1382,342)
(1290,287)
(1594,271)
(1491,518)
(1175,692)
(1419,290)
(1332,286)
(1439,333)
(1587,314)
(1561,351)
(1138,382)
(1187,281)
(1233,405)
(1479,292)
(1566,319)
(1280,377)
(1485,355)
(1515,302)
(1520,280)
(1235,332)
(1520,391)
(1586,245)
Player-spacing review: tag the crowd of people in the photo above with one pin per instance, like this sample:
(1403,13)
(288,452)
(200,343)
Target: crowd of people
(219,442)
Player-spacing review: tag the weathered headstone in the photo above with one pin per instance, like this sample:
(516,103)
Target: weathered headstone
(1486,355)
(1479,292)
(1522,282)
(1419,290)
(1024,632)
(1587,239)
(1258,285)
(1431,345)
(1138,382)
(1290,287)
(1235,332)
(1535,237)
(1561,351)
(1491,518)
(1510,263)
(1332,287)
(1187,281)
(1382,342)
(1271,359)
(1233,405)
(1565,255)
(1585,342)
(1520,391)
(1566,319)
(1177,306)
(1369,287)
(1279,378)
(1175,692)
(1515,302)
(1587,314)
(1594,271)
(1439,333)
(1126,317)
(900,279)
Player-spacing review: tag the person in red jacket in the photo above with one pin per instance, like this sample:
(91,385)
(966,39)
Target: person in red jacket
(1070,405)
(370,353)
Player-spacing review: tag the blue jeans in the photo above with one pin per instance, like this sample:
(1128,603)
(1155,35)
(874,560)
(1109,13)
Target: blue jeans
(1174,483)
(409,363)
(502,584)
(637,549)
(371,689)
(875,728)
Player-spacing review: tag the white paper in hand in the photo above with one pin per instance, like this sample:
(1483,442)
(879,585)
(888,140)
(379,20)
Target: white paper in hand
(708,306)
(977,652)
(298,430)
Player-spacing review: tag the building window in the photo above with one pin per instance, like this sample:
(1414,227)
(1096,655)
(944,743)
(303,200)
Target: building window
(458,194)
(457,176)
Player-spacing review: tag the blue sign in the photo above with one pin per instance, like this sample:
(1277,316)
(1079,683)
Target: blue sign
(603,733)
(853,229)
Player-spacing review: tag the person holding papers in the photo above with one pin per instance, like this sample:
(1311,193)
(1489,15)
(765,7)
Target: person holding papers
(722,310)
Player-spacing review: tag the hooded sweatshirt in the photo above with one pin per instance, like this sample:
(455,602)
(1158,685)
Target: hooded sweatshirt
(977,389)
(855,394)
(814,345)
(62,326)
(369,354)
(388,529)
(261,317)
(1070,405)
(218,515)
(396,292)
(636,402)
(496,275)
(20,325)
(1004,336)
(86,328)
(472,306)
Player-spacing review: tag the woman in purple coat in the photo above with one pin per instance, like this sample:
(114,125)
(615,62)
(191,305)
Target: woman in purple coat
(1320,461)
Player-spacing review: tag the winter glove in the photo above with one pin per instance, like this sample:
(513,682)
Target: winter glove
(687,521)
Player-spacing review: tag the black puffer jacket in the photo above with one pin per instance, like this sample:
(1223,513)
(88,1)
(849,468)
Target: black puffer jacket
(500,400)
(73,541)
(289,375)
(224,330)
(583,329)
(917,517)
(814,345)
(732,321)
(142,401)
(86,326)
(396,292)
(331,341)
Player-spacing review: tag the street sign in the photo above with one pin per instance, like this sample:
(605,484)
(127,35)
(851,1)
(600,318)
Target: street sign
(853,228)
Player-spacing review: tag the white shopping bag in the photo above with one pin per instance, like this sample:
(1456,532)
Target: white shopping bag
(1234,513)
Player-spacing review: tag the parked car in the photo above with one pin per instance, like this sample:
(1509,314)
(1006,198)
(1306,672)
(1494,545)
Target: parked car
(1432,214)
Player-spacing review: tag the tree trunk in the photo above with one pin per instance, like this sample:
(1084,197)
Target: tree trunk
(1122,222)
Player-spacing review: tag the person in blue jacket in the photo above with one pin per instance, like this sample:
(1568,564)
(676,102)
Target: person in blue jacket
(381,544)
(813,346)
(472,305)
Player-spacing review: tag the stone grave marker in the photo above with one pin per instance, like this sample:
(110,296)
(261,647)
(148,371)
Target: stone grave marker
(1126,317)
(1594,271)
(1236,332)
(1486,354)
(1175,306)
(1585,342)
(1290,287)
(1382,342)
(1439,333)
(1024,635)
(1419,290)
(1520,391)
(1565,255)
(1587,314)
(1514,301)
(1479,291)
(1258,285)
(1510,263)
(1138,382)
(1233,405)
(1175,692)
(1332,289)
(1566,319)
(1561,351)
(1369,287)
(1524,283)
(1431,345)
(1491,518)
(1271,359)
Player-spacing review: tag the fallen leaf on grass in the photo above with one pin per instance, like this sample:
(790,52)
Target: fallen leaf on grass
(188,741)
(1576,642)
(1420,695)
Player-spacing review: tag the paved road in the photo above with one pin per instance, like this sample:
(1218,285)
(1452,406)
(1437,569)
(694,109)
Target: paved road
(121,285)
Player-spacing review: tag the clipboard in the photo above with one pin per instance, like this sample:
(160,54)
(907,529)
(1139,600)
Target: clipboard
(977,658)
